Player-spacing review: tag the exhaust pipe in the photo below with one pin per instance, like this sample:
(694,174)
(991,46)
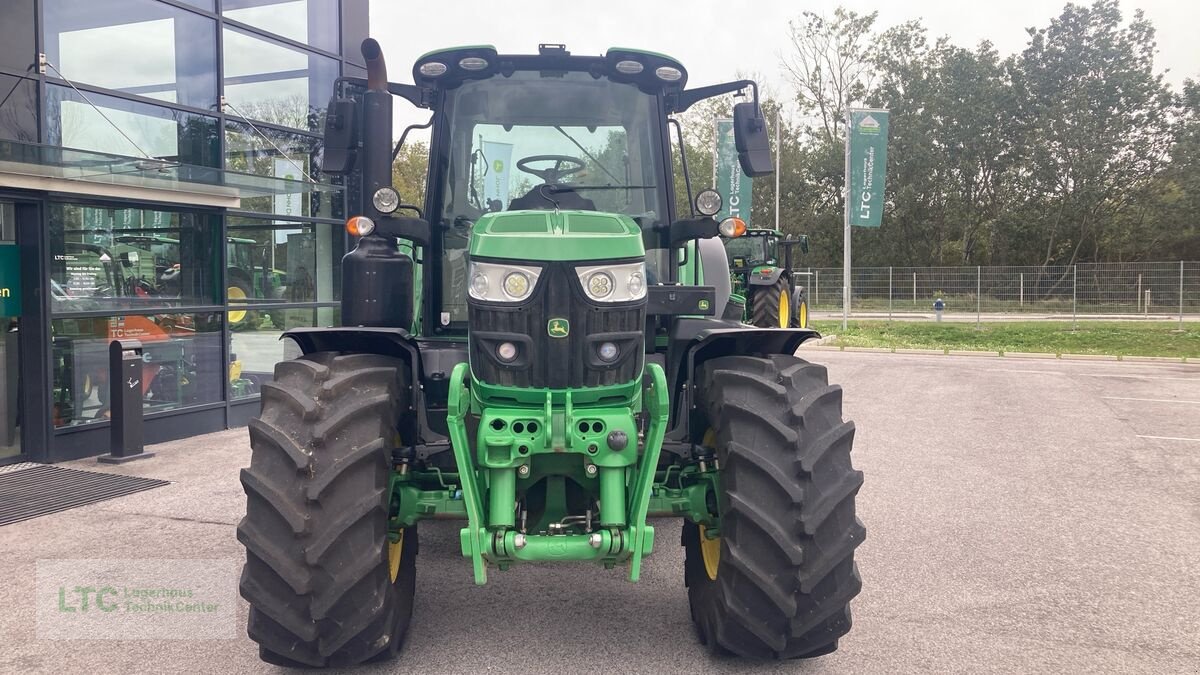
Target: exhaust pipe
(376,68)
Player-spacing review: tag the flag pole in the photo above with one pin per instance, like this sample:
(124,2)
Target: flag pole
(778,160)
(846,232)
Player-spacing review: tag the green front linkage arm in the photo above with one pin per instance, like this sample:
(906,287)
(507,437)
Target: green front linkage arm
(630,540)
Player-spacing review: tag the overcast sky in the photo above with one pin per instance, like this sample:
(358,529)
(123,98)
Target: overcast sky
(715,40)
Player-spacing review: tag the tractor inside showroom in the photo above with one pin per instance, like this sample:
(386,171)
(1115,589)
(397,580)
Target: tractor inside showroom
(765,281)
(550,355)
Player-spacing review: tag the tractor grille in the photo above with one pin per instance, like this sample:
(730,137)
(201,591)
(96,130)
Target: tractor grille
(557,363)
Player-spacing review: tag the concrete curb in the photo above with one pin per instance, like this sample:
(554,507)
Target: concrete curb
(822,345)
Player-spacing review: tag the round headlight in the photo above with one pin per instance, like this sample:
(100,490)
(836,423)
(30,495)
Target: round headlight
(385,200)
(432,69)
(506,352)
(516,285)
(636,284)
(479,284)
(608,352)
(600,285)
(629,67)
(473,63)
(668,74)
(708,202)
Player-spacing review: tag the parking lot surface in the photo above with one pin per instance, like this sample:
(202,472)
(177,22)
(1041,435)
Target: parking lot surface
(1021,516)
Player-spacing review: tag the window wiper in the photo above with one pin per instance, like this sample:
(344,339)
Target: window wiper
(585,151)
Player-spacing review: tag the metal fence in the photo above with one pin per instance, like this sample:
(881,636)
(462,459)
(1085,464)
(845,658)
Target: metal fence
(1083,290)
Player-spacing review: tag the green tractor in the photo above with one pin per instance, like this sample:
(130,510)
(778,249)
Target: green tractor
(553,361)
(765,281)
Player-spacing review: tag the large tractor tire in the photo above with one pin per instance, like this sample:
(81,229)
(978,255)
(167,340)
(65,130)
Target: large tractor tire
(800,314)
(771,306)
(240,317)
(325,585)
(777,582)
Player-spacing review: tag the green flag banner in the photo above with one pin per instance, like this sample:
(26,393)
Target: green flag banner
(867,158)
(728,179)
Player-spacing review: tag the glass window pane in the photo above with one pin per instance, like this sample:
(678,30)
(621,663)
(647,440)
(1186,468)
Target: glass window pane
(182,362)
(283,262)
(18,109)
(253,152)
(104,258)
(313,22)
(266,81)
(137,46)
(160,132)
(256,351)
(17,31)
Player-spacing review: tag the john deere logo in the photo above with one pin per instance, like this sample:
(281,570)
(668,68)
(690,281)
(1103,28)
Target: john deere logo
(558,328)
(703,305)
(498,166)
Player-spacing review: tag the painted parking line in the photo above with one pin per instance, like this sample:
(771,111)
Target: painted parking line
(1170,438)
(1149,400)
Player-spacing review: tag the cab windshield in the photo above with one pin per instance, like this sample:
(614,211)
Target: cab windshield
(543,140)
(745,250)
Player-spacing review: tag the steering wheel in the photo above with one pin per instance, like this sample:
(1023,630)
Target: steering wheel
(564,165)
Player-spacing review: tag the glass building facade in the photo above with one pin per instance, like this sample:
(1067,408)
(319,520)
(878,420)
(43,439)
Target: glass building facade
(238,85)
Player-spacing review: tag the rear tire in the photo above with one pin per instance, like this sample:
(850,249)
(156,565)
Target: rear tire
(768,303)
(786,571)
(316,526)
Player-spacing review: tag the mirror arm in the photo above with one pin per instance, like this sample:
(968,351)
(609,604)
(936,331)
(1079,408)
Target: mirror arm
(689,97)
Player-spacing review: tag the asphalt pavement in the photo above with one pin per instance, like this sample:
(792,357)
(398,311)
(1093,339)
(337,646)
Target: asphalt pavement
(1022,516)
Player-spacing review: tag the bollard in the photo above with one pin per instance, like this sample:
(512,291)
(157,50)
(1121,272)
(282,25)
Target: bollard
(125,402)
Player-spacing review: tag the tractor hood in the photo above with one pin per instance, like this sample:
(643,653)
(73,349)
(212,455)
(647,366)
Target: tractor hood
(556,236)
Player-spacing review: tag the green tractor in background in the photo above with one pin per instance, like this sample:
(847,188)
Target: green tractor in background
(552,361)
(765,281)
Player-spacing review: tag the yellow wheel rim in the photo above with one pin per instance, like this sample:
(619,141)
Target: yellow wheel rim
(803,314)
(395,551)
(785,308)
(236,293)
(710,549)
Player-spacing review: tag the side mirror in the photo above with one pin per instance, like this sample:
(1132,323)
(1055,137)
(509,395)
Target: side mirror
(751,139)
(340,137)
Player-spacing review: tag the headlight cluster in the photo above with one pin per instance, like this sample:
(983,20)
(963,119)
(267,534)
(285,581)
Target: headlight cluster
(501,283)
(614,283)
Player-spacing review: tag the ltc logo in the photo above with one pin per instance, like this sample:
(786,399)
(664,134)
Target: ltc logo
(558,328)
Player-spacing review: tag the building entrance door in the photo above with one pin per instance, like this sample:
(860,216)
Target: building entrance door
(10,317)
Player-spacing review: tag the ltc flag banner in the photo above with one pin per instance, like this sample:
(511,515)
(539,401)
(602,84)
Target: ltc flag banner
(733,185)
(866,159)
(495,180)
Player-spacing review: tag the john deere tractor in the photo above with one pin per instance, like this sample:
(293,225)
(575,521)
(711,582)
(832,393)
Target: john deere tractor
(551,357)
(765,280)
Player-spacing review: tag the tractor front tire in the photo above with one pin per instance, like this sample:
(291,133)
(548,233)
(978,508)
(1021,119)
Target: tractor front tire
(317,573)
(771,306)
(780,583)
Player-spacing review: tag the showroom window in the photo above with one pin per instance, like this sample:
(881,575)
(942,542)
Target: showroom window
(18,53)
(130,259)
(140,47)
(311,22)
(181,362)
(18,109)
(270,82)
(258,152)
(163,133)
(254,350)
